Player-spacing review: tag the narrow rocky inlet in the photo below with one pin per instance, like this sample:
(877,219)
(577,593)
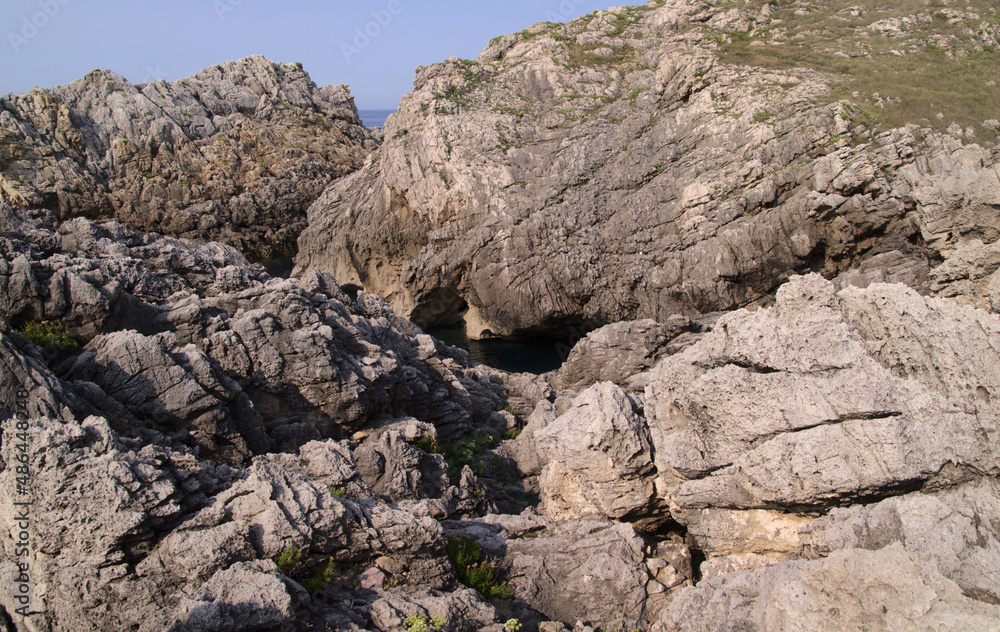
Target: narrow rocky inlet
(776,403)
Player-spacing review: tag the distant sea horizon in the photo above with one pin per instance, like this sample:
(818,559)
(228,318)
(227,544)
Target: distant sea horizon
(375,118)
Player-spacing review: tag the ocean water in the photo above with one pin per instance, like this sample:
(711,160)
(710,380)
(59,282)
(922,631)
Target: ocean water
(534,355)
(375,118)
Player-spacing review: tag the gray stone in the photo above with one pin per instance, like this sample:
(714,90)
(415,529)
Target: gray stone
(398,470)
(462,610)
(852,589)
(615,353)
(246,596)
(235,153)
(600,458)
(547,184)
(582,569)
(826,398)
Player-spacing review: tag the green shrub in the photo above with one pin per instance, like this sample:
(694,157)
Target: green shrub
(416,623)
(474,572)
(49,334)
(320,578)
(290,560)
(428,444)
(460,453)
(339,492)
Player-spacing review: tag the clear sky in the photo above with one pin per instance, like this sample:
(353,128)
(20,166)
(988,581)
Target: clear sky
(371,45)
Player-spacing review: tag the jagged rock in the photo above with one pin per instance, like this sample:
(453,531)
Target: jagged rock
(955,531)
(971,275)
(599,458)
(176,388)
(27,387)
(328,462)
(836,451)
(569,175)
(235,153)
(463,611)
(614,353)
(243,353)
(524,449)
(582,570)
(97,277)
(802,595)
(826,398)
(179,541)
(98,506)
(749,534)
(398,470)
(246,596)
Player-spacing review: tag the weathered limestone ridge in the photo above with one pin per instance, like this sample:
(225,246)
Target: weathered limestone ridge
(235,153)
(614,168)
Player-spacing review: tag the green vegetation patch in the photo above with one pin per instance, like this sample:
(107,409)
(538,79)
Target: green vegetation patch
(474,571)
(473,77)
(49,334)
(313,577)
(936,64)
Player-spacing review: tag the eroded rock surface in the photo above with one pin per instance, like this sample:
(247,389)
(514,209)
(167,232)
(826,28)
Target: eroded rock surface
(235,153)
(230,451)
(614,168)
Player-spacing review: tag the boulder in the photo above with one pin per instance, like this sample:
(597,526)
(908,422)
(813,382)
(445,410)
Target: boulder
(600,458)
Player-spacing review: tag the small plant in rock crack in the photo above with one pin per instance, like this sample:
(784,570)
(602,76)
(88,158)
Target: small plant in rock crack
(475,572)
(322,576)
(460,453)
(290,560)
(416,623)
(428,444)
(49,334)
(293,564)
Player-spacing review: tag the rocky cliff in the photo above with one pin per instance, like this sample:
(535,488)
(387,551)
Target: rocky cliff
(228,451)
(189,444)
(627,165)
(235,153)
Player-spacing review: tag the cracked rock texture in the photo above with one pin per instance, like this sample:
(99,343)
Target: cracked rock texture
(235,153)
(833,446)
(614,168)
(225,450)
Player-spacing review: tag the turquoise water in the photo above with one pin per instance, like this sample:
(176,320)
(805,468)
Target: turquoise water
(533,355)
(375,118)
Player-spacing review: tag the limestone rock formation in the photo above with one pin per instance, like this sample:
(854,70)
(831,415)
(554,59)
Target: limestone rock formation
(235,153)
(620,167)
(886,396)
(195,445)
(835,445)
(190,340)
(619,351)
(599,458)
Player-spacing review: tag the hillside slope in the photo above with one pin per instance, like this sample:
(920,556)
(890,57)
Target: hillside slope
(626,166)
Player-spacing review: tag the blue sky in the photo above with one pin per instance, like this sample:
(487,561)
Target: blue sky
(54,42)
